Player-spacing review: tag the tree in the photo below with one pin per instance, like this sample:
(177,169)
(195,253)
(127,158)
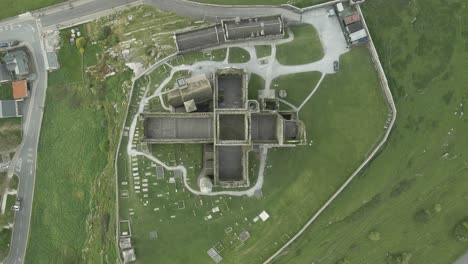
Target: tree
(423,215)
(81,44)
(104,33)
(374,236)
(114,39)
(399,258)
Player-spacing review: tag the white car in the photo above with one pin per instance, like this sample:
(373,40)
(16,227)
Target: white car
(17,206)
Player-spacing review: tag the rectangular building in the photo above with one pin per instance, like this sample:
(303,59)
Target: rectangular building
(9,108)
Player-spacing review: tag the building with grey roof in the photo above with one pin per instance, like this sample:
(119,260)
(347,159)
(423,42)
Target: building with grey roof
(230,128)
(354,27)
(230,30)
(52,60)
(251,28)
(17,61)
(199,38)
(5,74)
(9,108)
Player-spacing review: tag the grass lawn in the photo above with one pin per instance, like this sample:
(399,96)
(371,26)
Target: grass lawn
(16,7)
(157,77)
(238,55)
(5,238)
(256,82)
(415,190)
(6,93)
(9,214)
(289,187)
(171,84)
(74,198)
(10,133)
(192,57)
(298,86)
(298,3)
(70,62)
(305,48)
(263,50)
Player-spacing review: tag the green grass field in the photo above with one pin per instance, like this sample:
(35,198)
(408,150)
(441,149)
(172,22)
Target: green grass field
(414,192)
(6,93)
(192,57)
(256,82)
(305,48)
(263,51)
(298,86)
(5,238)
(333,152)
(16,7)
(10,133)
(238,55)
(75,165)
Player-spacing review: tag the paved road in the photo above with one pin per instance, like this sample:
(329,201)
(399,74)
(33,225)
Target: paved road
(216,12)
(24,163)
(78,12)
(463,259)
(85,10)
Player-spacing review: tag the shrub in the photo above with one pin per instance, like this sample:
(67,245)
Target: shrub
(105,32)
(399,258)
(461,231)
(374,236)
(423,215)
(437,208)
(343,261)
(81,44)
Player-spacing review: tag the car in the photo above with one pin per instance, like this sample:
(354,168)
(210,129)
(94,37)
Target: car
(13,43)
(4,45)
(336,66)
(17,206)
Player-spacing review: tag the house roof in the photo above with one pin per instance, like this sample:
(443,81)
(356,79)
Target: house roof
(246,28)
(17,60)
(8,108)
(20,89)
(352,18)
(356,26)
(357,35)
(5,75)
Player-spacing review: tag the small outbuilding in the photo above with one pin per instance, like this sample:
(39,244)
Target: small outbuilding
(354,27)
(358,36)
(351,18)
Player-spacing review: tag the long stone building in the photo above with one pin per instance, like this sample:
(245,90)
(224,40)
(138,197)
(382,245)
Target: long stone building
(229,31)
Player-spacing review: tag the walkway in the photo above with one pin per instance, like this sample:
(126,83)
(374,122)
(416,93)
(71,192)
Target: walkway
(334,46)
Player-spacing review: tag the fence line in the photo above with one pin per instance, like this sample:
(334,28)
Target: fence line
(391,104)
